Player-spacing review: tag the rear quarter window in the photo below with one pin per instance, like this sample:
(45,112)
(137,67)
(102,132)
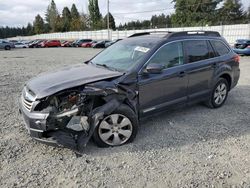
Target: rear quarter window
(220,47)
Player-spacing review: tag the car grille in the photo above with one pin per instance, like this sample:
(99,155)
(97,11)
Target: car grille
(27,99)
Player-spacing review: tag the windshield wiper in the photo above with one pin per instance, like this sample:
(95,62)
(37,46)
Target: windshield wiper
(107,67)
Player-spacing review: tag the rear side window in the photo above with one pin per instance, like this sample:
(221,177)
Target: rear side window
(197,50)
(220,47)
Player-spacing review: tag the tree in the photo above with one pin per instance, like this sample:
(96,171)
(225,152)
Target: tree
(111,21)
(76,22)
(248,15)
(195,12)
(29,29)
(52,16)
(66,19)
(95,15)
(38,25)
(232,12)
(74,12)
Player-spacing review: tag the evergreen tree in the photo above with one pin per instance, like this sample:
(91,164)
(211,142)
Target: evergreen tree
(66,19)
(232,12)
(95,15)
(74,12)
(29,29)
(38,25)
(111,21)
(248,15)
(52,16)
(194,12)
(76,24)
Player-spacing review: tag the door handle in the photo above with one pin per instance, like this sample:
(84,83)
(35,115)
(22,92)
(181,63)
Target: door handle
(182,74)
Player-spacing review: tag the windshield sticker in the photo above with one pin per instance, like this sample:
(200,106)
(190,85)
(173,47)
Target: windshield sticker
(142,49)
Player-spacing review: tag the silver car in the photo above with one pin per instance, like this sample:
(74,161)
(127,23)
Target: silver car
(4,44)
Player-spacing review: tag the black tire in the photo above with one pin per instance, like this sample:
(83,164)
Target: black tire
(211,103)
(7,47)
(125,111)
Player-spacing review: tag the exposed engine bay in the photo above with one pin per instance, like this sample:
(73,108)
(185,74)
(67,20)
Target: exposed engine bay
(75,113)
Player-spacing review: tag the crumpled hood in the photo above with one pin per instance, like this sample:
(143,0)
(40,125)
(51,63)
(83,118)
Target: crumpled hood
(68,77)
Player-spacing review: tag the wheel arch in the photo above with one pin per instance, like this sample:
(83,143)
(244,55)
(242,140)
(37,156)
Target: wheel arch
(228,78)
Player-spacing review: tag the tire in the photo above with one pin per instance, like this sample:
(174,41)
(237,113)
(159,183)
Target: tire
(129,128)
(7,47)
(220,90)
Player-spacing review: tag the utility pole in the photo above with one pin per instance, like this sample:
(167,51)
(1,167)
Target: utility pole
(108,19)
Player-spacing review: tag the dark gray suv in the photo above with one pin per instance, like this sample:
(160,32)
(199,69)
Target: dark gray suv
(107,96)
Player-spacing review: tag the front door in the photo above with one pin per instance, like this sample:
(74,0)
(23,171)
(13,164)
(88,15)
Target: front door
(169,87)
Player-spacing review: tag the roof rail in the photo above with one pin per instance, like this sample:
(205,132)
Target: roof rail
(169,34)
(148,33)
(195,33)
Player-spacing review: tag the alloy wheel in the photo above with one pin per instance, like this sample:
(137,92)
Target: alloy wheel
(220,93)
(115,129)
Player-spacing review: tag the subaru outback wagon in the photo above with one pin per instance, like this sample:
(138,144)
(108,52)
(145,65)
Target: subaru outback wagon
(106,97)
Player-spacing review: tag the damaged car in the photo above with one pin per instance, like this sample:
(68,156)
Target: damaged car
(106,97)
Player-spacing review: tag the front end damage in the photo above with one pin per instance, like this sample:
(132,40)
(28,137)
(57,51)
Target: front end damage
(69,118)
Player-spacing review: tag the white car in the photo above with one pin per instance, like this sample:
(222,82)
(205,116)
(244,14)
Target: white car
(21,45)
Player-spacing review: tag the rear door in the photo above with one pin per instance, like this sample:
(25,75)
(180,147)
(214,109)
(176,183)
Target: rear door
(200,69)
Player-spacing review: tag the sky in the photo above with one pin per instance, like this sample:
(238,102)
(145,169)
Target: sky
(20,12)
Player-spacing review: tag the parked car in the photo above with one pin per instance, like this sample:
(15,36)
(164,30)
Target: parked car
(101,44)
(107,97)
(4,44)
(35,43)
(21,45)
(66,44)
(242,47)
(111,43)
(79,43)
(51,43)
(88,44)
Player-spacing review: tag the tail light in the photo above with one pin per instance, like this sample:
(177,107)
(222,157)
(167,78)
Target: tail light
(237,58)
(248,46)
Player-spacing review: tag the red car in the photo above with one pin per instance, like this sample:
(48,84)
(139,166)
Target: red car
(88,44)
(51,43)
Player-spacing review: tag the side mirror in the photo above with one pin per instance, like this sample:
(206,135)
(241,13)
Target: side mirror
(154,68)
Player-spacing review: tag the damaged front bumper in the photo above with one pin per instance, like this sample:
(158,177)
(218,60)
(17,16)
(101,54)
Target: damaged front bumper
(37,126)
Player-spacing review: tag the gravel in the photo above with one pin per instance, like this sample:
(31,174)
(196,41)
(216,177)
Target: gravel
(189,147)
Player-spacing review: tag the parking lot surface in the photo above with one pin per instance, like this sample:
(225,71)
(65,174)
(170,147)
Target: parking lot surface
(189,147)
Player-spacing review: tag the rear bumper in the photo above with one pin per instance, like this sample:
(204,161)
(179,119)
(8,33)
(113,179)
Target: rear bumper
(236,77)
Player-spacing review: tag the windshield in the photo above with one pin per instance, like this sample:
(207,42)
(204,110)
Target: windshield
(124,55)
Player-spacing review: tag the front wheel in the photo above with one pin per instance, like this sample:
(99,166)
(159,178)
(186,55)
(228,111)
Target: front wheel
(7,48)
(219,94)
(116,129)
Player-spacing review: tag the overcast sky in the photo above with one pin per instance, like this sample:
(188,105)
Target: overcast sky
(20,12)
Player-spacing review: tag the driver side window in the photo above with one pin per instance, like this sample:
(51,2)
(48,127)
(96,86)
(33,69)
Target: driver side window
(170,55)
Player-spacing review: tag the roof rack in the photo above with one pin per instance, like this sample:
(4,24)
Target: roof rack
(195,33)
(169,34)
(148,33)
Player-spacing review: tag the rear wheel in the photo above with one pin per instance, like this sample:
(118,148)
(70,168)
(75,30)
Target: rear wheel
(116,129)
(219,94)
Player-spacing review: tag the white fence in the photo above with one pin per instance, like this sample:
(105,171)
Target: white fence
(230,32)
